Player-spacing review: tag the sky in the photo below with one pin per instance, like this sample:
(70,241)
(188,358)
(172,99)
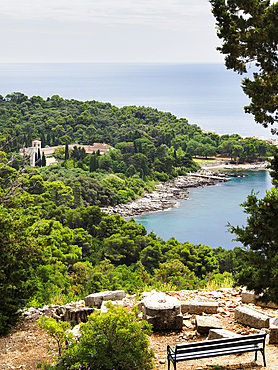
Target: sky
(108,31)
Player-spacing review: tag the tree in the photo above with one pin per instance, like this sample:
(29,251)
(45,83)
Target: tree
(118,336)
(20,254)
(249,32)
(43,161)
(66,151)
(260,239)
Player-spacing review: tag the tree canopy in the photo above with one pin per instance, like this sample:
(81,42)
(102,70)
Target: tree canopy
(249,30)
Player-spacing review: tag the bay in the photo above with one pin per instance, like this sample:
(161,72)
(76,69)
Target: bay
(203,218)
(206,94)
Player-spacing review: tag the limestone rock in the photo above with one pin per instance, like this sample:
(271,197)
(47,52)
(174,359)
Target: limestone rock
(196,307)
(163,312)
(104,309)
(221,333)
(248,296)
(273,335)
(96,299)
(77,314)
(205,323)
(253,318)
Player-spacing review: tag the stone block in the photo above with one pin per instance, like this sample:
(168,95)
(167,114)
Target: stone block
(221,333)
(273,335)
(250,317)
(248,296)
(96,299)
(205,323)
(163,312)
(196,307)
(104,308)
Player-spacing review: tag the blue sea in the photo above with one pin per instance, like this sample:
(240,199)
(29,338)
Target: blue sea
(203,218)
(206,94)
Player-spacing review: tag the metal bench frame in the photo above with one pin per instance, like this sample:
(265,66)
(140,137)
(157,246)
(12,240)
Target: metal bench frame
(217,347)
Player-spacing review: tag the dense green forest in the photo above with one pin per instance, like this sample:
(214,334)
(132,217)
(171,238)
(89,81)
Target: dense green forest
(56,243)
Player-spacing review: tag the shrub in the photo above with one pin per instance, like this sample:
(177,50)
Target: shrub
(114,340)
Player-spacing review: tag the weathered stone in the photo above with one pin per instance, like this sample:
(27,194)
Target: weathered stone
(163,312)
(77,314)
(248,296)
(221,333)
(250,317)
(96,299)
(205,323)
(104,307)
(196,307)
(273,335)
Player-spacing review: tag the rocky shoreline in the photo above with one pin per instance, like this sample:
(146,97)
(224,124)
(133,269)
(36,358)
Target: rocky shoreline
(167,195)
(164,196)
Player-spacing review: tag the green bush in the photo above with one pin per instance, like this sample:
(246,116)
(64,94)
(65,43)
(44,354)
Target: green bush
(115,340)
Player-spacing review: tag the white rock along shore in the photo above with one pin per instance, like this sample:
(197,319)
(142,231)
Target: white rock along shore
(166,195)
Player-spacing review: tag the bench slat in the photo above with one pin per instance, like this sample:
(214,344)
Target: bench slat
(203,345)
(217,347)
(216,352)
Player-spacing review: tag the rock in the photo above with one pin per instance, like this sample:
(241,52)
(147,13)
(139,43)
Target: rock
(163,312)
(205,323)
(75,332)
(248,296)
(221,333)
(273,335)
(104,309)
(77,314)
(250,317)
(96,299)
(195,307)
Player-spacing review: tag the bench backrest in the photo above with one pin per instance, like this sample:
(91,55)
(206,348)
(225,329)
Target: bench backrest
(214,344)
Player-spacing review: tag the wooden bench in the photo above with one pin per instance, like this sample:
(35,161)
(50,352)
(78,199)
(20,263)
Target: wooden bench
(217,347)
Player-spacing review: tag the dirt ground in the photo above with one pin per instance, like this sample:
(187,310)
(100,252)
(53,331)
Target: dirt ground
(27,345)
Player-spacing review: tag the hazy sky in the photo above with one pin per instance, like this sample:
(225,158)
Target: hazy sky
(107,31)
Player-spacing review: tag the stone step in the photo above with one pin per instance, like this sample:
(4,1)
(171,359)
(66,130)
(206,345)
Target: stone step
(221,333)
(205,323)
(197,307)
(250,317)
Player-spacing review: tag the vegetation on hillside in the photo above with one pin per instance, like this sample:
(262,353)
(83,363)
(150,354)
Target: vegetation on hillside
(57,244)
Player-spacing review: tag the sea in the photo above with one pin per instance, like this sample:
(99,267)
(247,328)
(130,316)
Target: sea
(208,95)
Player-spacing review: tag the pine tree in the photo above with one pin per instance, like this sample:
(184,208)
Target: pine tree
(43,161)
(66,151)
(39,161)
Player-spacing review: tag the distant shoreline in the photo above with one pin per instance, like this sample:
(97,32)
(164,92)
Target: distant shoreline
(167,195)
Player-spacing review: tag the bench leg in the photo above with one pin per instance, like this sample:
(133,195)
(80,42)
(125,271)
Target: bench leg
(263,354)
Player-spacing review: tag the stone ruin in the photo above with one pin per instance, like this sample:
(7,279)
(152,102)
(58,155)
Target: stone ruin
(198,311)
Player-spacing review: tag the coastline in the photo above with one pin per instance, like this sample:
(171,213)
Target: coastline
(167,195)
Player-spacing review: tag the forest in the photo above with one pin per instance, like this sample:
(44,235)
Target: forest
(57,244)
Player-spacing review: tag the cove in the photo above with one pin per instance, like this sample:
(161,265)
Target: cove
(203,218)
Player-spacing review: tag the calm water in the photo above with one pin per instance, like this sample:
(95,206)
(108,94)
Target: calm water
(205,94)
(203,218)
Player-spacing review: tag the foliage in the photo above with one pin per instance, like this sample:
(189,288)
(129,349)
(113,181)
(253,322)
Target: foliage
(249,31)
(59,331)
(20,254)
(114,340)
(260,238)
